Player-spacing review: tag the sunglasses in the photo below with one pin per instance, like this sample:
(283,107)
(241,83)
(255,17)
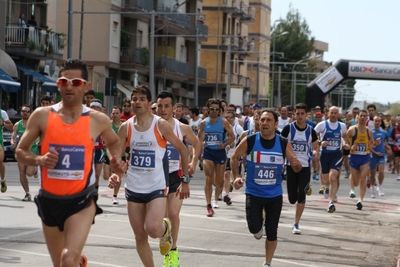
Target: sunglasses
(25,111)
(127,106)
(153,108)
(214,109)
(75,81)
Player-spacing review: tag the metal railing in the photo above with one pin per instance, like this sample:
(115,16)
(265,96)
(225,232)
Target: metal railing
(233,78)
(202,72)
(179,18)
(134,55)
(142,4)
(203,29)
(173,65)
(35,38)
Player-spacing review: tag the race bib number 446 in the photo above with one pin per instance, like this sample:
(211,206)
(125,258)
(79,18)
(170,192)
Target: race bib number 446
(265,174)
(70,165)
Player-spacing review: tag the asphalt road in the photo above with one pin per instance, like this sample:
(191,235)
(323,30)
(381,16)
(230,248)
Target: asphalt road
(347,237)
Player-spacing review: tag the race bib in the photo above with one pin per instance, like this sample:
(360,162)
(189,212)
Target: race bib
(143,160)
(265,174)
(173,154)
(299,147)
(70,165)
(361,149)
(212,139)
(333,144)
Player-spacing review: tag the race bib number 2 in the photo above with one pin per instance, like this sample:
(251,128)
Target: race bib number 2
(70,165)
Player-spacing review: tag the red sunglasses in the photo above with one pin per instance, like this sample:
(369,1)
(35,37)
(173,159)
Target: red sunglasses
(75,81)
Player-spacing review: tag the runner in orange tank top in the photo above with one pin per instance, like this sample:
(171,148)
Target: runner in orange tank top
(67,198)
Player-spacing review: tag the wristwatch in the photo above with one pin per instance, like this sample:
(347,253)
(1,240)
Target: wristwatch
(185,179)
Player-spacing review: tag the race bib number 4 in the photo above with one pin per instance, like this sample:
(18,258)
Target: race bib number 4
(143,160)
(265,174)
(70,165)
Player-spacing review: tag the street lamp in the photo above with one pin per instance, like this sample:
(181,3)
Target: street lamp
(273,68)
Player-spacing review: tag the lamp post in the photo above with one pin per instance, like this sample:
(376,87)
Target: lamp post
(273,66)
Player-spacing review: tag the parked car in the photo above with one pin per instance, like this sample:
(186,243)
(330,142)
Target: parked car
(8,150)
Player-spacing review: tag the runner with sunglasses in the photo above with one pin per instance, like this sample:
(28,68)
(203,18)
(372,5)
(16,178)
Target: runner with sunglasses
(212,132)
(67,197)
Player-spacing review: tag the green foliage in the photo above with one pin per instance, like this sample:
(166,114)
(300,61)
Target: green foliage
(145,56)
(31,44)
(126,37)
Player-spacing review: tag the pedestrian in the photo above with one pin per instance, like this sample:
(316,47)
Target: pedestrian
(67,197)
(265,151)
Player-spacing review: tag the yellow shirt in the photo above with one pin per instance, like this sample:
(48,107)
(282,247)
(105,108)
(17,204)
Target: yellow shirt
(362,141)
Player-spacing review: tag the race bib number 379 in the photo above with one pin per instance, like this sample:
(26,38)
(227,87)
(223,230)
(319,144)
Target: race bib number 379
(70,165)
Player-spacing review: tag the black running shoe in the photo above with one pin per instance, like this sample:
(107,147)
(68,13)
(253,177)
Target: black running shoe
(359,205)
(331,208)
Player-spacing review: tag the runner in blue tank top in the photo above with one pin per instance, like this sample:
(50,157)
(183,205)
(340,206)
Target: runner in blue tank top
(265,152)
(212,132)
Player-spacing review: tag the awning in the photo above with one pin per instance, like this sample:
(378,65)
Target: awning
(7,83)
(124,89)
(48,85)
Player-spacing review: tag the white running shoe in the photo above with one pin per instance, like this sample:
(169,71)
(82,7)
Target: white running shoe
(115,200)
(352,194)
(215,204)
(259,234)
(398,177)
(326,192)
(380,191)
(373,191)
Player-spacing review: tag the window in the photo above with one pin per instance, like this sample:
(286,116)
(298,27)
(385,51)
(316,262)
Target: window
(115,34)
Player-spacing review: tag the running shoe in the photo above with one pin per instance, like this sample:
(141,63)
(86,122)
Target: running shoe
(368,184)
(215,204)
(174,258)
(115,200)
(227,199)
(210,211)
(266,264)
(326,192)
(295,229)
(352,194)
(220,197)
(231,187)
(359,205)
(346,176)
(331,208)
(314,176)
(3,186)
(373,191)
(167,261)
(166,240)
(380,191)
(317,177)
(309,190)
(398,178)
(322,189)
(83,261)
(259,234)
(335,199)
(27,197)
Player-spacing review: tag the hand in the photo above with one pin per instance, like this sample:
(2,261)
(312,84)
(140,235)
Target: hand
(113,180)
(378,141)
(354,147)
(221,145)
(238,183)
(315,154)
(379,154)
(346,146)
(50,159)
(228,147)
(324,143)
(192,168)
(294,161)
(118,165)
(183,191)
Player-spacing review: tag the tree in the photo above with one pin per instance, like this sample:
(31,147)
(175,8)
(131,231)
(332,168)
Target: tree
(297,45)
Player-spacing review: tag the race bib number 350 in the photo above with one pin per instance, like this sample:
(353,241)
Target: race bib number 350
(70,165)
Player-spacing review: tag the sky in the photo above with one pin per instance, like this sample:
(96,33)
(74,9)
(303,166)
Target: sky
(355,30)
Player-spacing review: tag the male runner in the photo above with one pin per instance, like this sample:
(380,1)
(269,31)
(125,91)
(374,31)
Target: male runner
(24,170)
(266,152)
(67,199)
(212,132)
(147,182)
(97,105)
(361,140)
(165,108)
(4,123)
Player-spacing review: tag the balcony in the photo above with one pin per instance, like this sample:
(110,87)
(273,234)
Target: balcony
(172,65)
(34,42)
(248,14)
(178,19)
(202,72)
(231,6)
(202,31)
(233,78)
(242,44)
(129,55)
(138,4)
(242,80)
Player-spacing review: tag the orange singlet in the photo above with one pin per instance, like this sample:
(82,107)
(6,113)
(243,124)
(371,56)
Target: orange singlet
(74,170)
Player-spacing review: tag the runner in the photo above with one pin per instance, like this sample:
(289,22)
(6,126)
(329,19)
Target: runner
(4,123)
(24,170)
(378,155)
(361,140)
(212,132)
(265,152)
(304,142)
(126,111)
(165,110)
(147,182)
(194,124)
(331,132)
(89,96)
(96,104)
(67,197)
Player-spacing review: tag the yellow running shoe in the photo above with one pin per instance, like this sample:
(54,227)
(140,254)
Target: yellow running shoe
(309,190)
(174,258)
(167,261)
(322,190)
(166,240)
(3,186)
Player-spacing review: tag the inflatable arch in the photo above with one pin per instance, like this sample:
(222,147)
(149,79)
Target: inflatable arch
(349,69)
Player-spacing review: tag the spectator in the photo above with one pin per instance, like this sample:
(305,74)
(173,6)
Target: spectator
(32,21)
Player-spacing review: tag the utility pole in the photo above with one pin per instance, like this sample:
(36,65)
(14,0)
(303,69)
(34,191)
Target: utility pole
(70,28)
(81,34)
(196,66)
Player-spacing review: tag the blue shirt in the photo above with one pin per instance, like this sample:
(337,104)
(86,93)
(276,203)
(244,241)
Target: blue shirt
(383,135)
